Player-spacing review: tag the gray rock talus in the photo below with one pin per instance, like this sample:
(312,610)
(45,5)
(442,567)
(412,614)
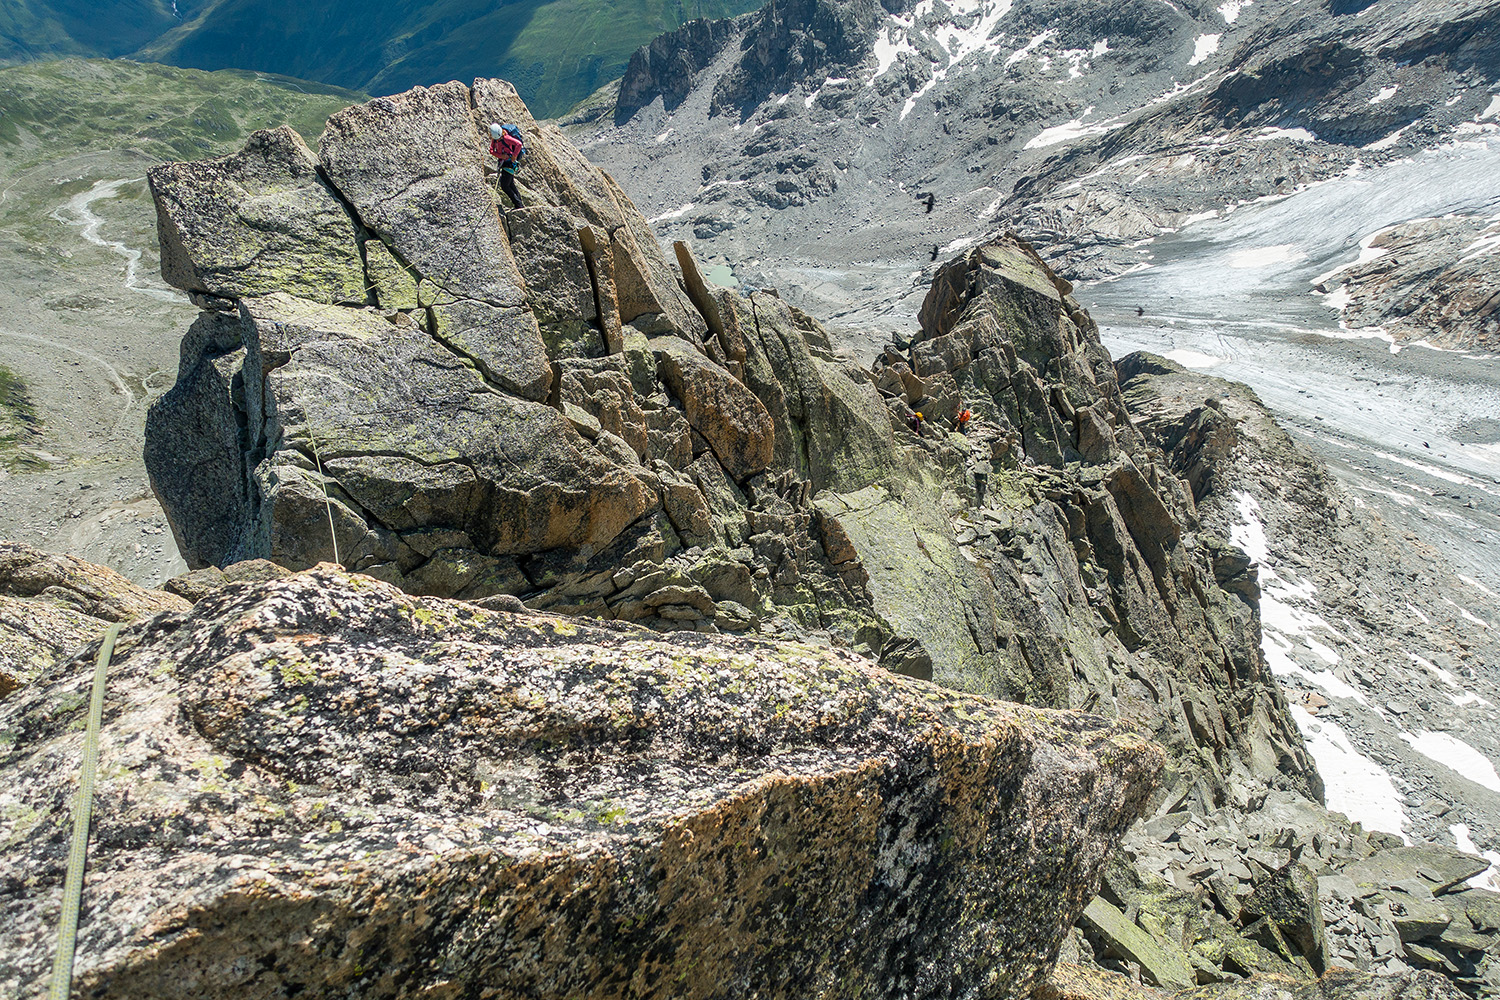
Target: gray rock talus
(321,784)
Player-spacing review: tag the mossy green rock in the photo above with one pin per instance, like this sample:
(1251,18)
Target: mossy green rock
(258,221)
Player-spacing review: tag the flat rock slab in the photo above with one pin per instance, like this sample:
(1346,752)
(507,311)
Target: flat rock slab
(1440,868)
(322,785)
(1340,984)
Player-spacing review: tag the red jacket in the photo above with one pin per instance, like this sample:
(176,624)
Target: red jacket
(507,147)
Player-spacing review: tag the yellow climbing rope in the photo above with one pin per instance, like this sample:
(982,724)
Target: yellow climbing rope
(83,810)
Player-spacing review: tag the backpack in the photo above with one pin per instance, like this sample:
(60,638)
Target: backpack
(514,131)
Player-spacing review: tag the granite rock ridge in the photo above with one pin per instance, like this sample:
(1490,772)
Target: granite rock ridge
(544,406)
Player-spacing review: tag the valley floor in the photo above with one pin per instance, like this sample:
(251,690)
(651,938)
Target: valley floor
(1398,707)
(93,334)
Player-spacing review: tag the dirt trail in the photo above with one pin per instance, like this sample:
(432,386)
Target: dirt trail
(78,211)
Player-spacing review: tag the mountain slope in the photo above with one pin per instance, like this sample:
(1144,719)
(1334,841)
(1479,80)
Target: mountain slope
(556,51)
(811,135)
(40,29)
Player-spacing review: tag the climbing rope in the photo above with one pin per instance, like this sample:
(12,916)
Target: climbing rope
(327,503)
(83,810)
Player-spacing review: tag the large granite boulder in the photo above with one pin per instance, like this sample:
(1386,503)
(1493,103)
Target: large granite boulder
(260,220)
(321,785)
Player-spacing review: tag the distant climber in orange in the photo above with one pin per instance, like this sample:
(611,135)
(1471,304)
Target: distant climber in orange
(961,423)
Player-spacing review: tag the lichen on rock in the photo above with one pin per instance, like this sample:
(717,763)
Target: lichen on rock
(321,783)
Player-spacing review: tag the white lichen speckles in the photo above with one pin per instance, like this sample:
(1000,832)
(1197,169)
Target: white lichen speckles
(396,764)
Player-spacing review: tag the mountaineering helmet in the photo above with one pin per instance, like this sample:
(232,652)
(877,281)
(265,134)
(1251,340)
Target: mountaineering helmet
(496,131)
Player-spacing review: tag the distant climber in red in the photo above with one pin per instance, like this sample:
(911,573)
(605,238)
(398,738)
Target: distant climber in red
(507,146)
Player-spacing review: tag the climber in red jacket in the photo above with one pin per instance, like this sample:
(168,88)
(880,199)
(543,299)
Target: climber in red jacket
(507,146)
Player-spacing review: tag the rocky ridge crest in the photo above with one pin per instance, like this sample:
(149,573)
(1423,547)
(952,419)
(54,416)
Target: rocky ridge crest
(542,407)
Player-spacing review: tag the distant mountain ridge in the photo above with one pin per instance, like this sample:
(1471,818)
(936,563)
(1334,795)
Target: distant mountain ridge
(814,133)
(557,52)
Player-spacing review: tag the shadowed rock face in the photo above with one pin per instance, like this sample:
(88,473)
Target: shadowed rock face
(543,405)
(320,783)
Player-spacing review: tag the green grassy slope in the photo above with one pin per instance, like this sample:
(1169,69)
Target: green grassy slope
(39,29)
(51,109)
(557,52)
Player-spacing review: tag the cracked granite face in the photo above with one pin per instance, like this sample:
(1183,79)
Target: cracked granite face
(321,783)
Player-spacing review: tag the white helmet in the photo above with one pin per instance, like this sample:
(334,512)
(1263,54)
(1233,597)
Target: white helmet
(496,131)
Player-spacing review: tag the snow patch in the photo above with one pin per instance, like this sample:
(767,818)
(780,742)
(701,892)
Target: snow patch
(1487,243)
(1478,586)
(911,102)
(1465,843)
(1438,671)
(1230,11)
(1203,47)
(1388,141)
(1281,621)
(1294,134)
(1070,132)
(1193,359)
(1353,784)
(1455,754)
(1493,111)
(1367,253)
(1386,93)
(684,210)
(1466,615)
(1025,51)
(1250,534)
(960,43)
(887,51)
(1339,299)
